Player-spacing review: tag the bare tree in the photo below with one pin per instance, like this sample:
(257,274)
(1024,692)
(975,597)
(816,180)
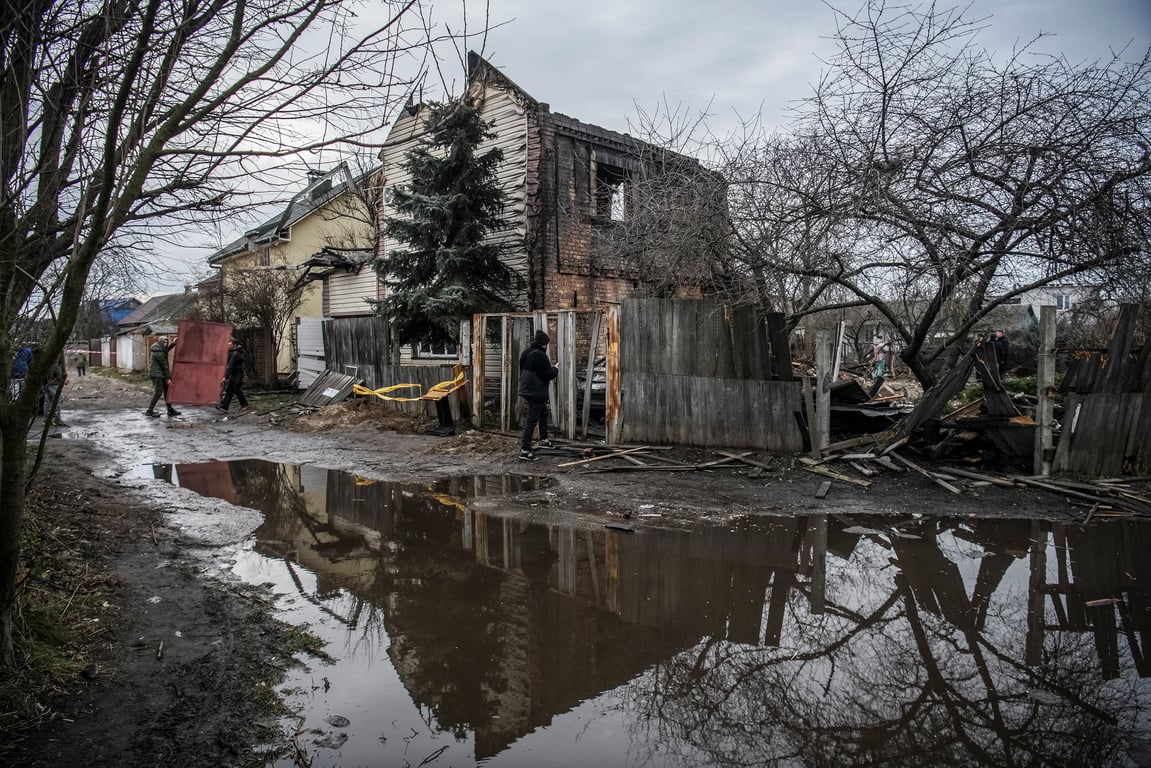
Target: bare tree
(931,180)
(123,123)
(265,300)
(959,181)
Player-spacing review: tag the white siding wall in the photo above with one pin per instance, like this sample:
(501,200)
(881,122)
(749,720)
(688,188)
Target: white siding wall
(347,293)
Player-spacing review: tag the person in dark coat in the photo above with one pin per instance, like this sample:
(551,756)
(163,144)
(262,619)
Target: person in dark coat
(1000,343)
(160,375)
(233,377)
(20,369)
(536,370)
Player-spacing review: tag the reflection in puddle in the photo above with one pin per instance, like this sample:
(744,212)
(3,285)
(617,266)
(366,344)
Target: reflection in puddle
(465,636)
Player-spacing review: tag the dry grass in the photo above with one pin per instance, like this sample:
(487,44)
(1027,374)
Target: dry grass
(357,412)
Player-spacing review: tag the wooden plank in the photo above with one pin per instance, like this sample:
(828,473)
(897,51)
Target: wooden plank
(913,466)
(837,476)
(612,455)
(981,477)
(743,457)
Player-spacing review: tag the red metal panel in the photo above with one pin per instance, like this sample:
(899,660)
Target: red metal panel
(199,362)
(213,478)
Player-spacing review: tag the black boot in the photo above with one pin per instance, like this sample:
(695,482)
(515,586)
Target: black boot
(151,414)
(172,411)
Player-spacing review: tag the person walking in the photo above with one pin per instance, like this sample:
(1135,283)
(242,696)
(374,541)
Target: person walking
(81,363)
(233,377)
(50,395)
(536,370)
(161,376)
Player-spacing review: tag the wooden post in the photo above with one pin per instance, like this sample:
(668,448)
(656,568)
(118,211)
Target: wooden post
(1045,409)
(613,394)
(812,420)
(565,357)
(840,330)
(506,402)
(479,334)
(821,436)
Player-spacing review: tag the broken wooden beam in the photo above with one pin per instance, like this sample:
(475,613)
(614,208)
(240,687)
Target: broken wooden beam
(613,455)
(836,476)
(743,457)
(913,466)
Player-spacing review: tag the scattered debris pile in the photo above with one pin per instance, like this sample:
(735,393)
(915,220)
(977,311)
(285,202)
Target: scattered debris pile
(1114,497)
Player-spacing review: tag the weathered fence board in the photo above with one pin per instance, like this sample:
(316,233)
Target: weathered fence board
(1107,416)
(696,410)
(358,346)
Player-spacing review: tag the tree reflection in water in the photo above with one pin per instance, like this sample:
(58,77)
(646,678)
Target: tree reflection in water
(907,670)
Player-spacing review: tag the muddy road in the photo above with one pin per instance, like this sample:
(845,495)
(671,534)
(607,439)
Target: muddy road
(105,418)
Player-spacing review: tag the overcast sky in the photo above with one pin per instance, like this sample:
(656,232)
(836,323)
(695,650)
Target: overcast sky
(596,60)
(600,61)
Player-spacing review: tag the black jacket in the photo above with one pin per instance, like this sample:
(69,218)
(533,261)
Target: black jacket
(536,370)
(235,368)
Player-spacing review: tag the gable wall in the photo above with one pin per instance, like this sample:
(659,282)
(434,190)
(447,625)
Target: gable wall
(507,118)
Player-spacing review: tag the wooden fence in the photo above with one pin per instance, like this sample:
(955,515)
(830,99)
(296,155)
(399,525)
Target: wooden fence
(358,346)
(696,373)
(702,373)
(1107,412)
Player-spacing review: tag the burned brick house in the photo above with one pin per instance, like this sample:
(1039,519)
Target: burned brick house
(592,216)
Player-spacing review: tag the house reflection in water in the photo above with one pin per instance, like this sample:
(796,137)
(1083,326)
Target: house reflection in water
(890,640)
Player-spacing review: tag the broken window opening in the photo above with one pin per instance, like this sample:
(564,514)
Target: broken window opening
(611,193)
(439,351)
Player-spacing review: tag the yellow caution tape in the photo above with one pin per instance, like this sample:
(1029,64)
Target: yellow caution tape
(458,381)
(382,392)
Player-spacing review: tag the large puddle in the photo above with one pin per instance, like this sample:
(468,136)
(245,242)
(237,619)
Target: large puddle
(469,637)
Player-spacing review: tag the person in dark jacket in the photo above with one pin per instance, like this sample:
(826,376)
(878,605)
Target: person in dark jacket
(1001,346)
(20,369)
(233,377)
(536,370)
(160,375)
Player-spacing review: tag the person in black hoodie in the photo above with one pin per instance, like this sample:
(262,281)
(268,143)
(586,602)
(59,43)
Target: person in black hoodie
(233,377)
(536,370)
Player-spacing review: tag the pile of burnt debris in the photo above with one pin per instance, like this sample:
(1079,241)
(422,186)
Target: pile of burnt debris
(858,467)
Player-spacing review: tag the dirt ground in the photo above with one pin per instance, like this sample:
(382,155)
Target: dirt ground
(174,663)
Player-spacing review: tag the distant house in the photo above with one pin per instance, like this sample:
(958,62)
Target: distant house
(127,349)
(98,317)
(323,230)
(1064,297)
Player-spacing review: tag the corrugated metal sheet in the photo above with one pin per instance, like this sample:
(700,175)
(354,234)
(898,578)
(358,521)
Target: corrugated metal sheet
(328,388)
(310,341)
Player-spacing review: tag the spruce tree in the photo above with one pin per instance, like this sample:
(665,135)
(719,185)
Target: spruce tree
(444,269)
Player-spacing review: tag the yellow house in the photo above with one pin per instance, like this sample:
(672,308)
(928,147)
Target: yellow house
(266,282)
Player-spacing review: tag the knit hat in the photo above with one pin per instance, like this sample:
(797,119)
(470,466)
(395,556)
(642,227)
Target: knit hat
(541,338)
